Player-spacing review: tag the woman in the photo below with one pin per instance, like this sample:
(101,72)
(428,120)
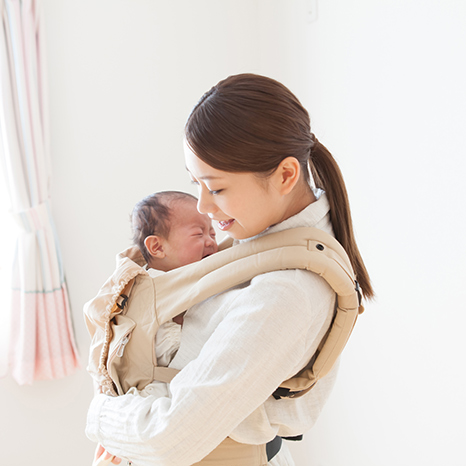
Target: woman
(248,146)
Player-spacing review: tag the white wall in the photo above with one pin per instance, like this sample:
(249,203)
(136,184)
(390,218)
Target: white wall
(387,93)
(383,82)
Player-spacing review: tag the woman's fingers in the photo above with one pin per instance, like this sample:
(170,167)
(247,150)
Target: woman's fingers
(104,458)
(112,458)
(98,451)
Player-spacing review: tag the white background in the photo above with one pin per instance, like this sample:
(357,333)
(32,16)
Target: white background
(384,82)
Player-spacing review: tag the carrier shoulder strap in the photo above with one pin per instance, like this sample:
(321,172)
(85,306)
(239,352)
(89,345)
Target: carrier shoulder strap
(299,248)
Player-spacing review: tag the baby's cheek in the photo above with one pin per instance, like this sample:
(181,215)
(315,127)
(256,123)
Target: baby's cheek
(194,253)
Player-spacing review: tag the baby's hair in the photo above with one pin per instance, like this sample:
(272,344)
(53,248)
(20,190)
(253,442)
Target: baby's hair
(151,216)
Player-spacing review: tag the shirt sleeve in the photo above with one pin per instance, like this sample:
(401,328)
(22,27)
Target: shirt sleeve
(260,342)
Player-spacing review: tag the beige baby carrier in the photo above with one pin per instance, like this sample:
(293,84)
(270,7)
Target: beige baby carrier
(125,315)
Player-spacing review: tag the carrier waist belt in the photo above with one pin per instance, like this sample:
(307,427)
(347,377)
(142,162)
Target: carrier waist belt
(231,453)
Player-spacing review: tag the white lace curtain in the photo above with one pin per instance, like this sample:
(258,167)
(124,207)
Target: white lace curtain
(41,338)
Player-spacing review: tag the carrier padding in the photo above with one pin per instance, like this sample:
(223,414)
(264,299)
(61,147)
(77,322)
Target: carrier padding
(300,248)
(180,289)
(156,300)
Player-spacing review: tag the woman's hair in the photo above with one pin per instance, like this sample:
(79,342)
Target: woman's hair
(250,123)
(151,216)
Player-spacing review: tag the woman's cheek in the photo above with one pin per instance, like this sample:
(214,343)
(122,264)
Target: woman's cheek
(226,209)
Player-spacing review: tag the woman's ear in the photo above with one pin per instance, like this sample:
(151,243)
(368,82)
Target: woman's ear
(154,245)
(287,175)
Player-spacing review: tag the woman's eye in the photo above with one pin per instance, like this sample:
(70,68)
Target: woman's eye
(217,191)
(194,182)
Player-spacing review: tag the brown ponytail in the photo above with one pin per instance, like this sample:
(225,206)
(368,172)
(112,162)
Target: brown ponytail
(327,176)
(250,123)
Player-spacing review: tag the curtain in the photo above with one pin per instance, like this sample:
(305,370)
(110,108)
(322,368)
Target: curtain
(41,337)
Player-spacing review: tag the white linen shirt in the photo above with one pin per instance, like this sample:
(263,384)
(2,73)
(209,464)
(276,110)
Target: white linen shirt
(236,348)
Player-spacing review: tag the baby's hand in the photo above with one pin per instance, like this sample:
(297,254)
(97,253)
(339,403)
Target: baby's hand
(103,457)
(179,318)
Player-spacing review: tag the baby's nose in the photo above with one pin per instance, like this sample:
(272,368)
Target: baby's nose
(211,244)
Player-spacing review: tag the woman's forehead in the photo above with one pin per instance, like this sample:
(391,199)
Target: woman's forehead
(198,168)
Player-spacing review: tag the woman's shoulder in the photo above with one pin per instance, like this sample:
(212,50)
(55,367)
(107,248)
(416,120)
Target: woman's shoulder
(292,282)
(295,291)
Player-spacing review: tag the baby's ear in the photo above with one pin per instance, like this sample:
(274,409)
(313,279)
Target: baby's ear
(154,245)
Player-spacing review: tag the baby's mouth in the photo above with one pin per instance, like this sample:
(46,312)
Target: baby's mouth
(226,224)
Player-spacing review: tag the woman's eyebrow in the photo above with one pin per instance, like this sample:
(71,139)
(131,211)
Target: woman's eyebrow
(207,177)
(210,177)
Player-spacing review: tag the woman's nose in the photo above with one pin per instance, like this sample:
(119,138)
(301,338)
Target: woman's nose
(204,204)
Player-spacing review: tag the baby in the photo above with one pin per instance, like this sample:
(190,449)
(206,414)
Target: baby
(170,232)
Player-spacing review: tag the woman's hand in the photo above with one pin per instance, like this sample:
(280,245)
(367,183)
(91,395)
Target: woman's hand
(102,457)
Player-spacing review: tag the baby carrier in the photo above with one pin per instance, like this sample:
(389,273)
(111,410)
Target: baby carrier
(125,315)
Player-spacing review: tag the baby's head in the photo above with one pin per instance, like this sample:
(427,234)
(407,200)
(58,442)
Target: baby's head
(170,231)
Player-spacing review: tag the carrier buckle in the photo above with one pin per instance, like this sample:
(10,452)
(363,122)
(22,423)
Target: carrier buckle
(123,302)
(282,392)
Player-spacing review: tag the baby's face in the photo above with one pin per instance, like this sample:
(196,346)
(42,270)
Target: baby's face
(191,236)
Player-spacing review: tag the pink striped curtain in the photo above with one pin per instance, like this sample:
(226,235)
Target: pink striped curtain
(41,341)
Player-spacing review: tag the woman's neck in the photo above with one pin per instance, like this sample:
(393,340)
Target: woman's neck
(301,198)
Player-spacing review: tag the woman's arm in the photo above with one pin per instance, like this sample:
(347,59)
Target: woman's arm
(259,343)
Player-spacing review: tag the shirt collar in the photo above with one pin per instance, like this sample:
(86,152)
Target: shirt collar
(311,216)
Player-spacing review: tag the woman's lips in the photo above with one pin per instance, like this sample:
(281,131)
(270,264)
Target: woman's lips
(225,225)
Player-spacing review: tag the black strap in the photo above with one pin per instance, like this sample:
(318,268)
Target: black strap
(273,447)
(296,438)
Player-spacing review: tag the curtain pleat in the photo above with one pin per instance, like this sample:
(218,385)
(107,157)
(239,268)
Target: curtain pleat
(42,343)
